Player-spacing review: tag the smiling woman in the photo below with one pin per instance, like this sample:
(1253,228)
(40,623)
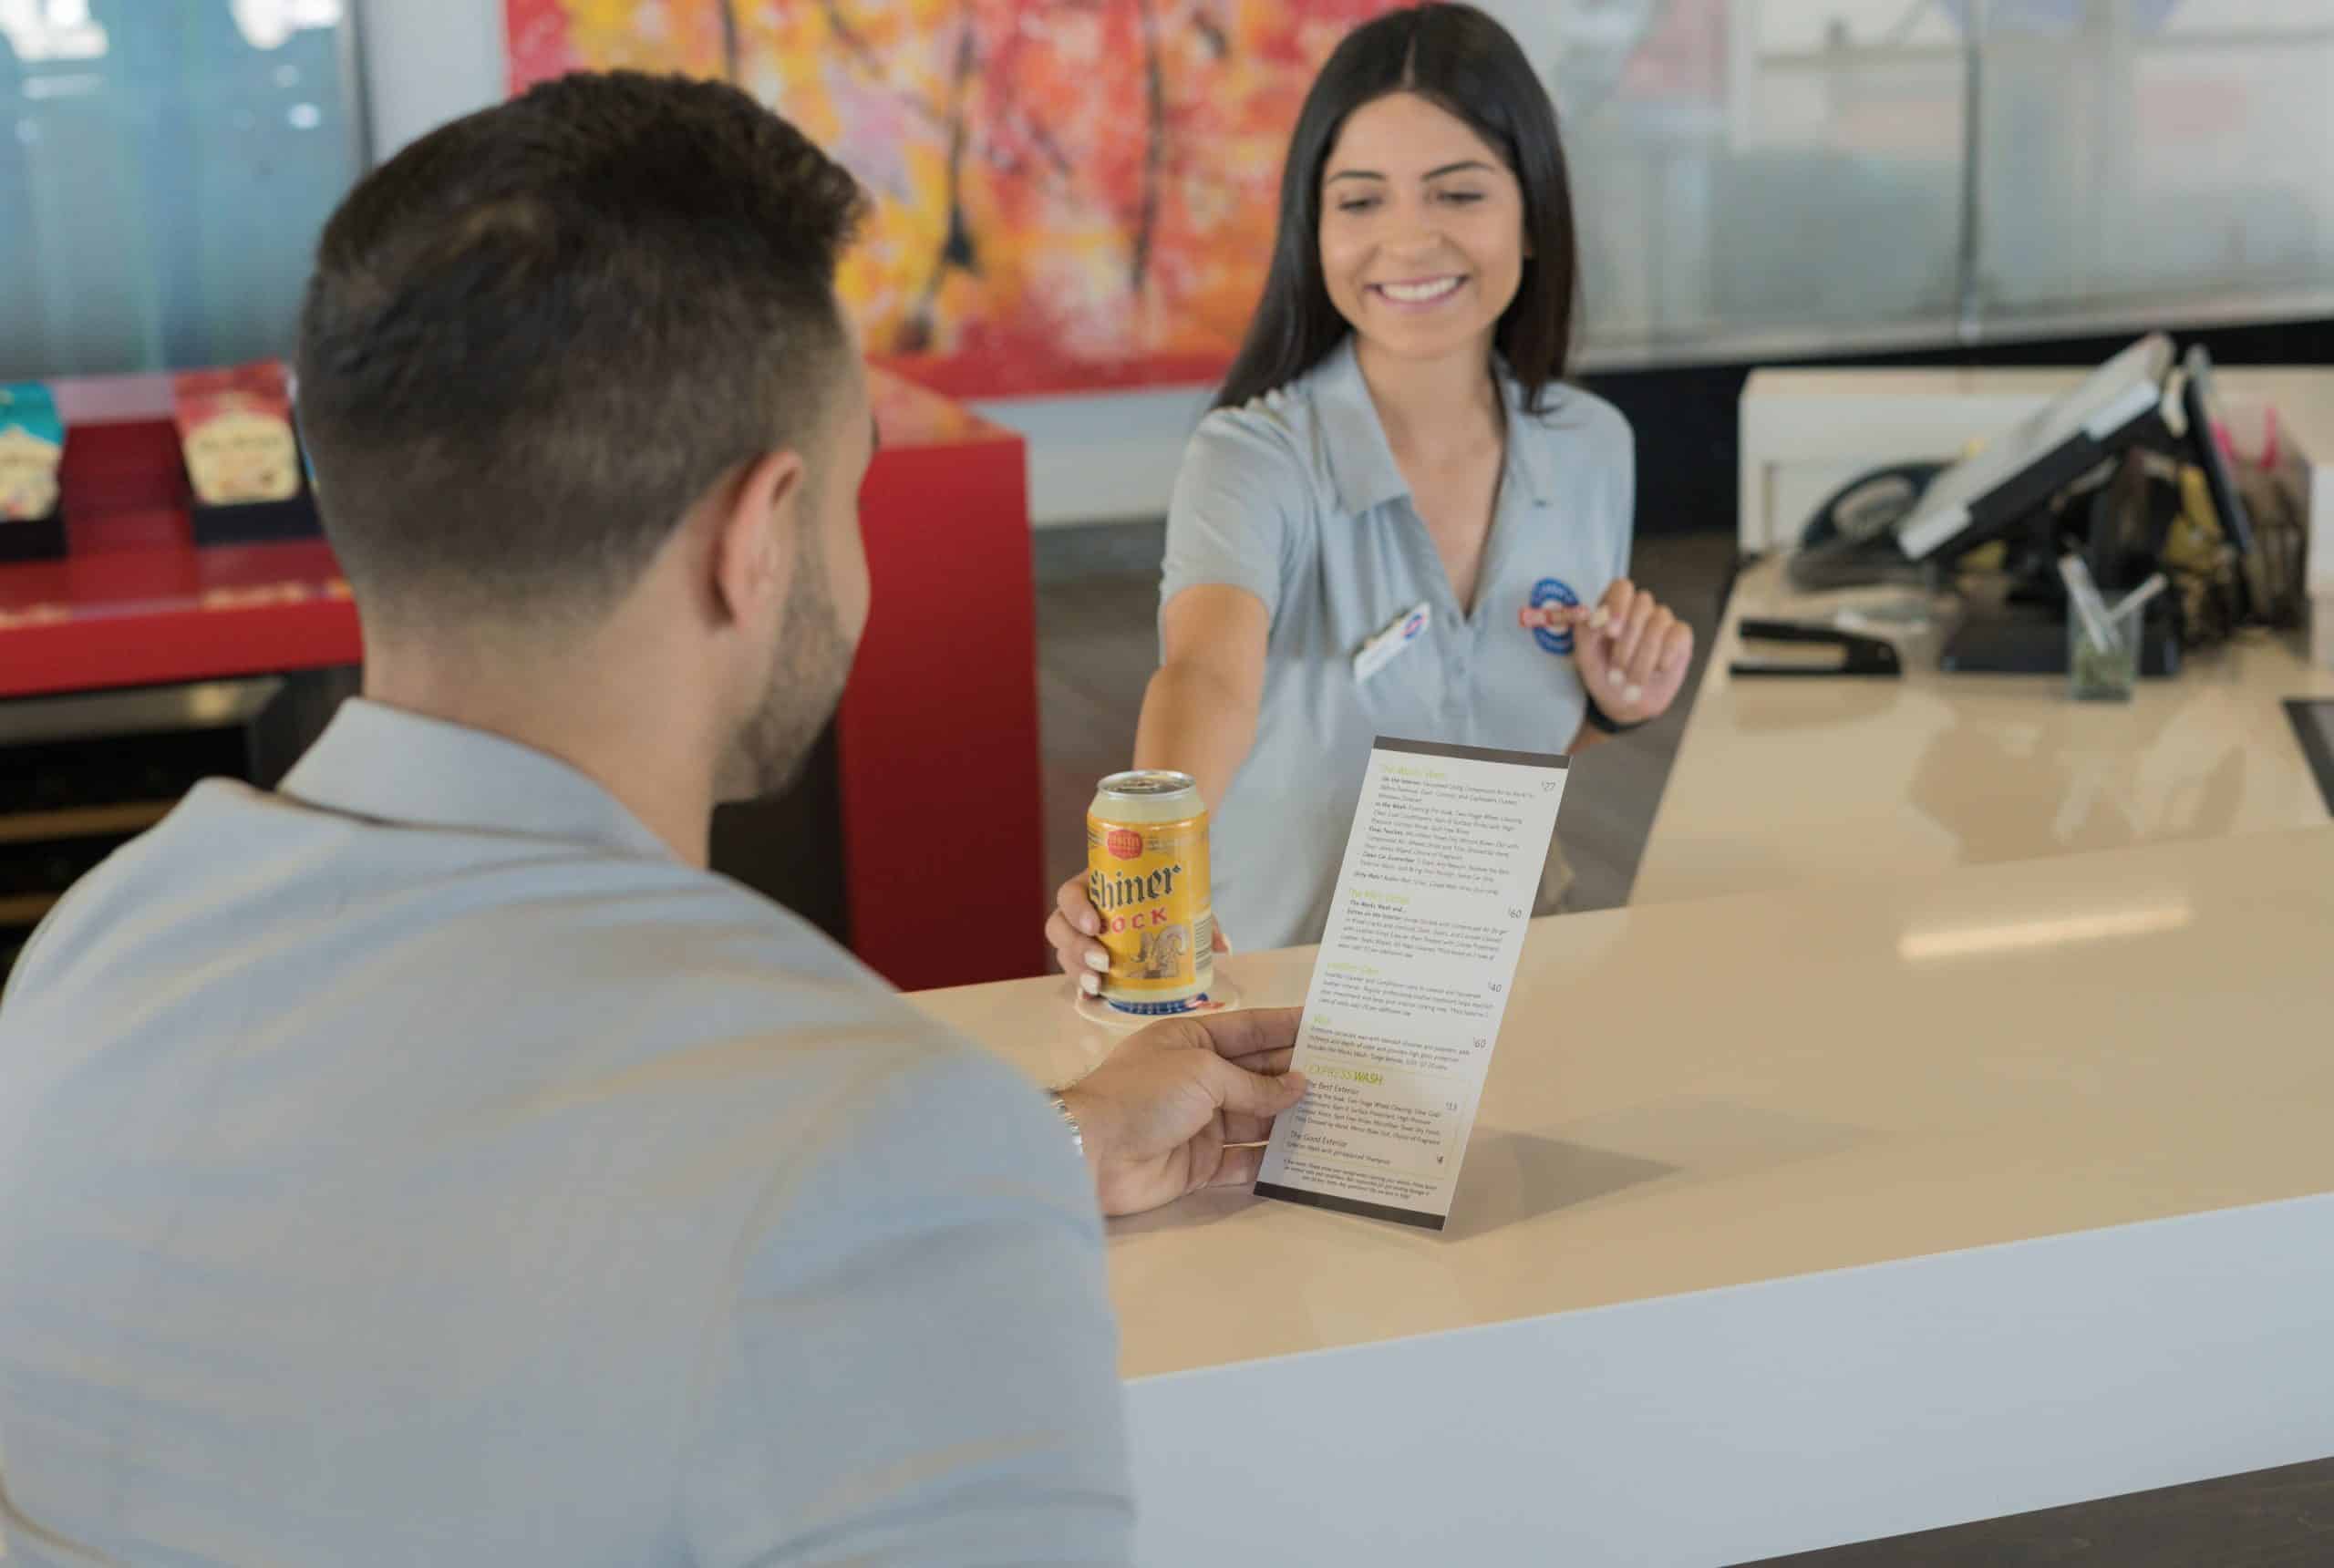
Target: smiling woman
(1459,84)
(1421,235)
(1398,521)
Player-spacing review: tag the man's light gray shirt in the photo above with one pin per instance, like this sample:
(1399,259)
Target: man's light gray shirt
(423,1165)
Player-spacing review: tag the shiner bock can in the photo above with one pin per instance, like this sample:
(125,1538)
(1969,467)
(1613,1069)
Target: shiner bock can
(1146,872)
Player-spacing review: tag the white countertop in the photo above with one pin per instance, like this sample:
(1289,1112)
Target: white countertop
(1691,1096)
(1781,782)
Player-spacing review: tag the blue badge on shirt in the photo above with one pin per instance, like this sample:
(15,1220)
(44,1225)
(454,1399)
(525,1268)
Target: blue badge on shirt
(1554,590)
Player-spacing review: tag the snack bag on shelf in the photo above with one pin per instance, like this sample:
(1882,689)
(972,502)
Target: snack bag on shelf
(236,428)
(32,446)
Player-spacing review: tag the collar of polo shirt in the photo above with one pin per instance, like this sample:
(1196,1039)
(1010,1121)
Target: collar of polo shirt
(1361,462)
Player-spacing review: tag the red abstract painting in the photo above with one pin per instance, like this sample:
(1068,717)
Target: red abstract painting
(1069,194)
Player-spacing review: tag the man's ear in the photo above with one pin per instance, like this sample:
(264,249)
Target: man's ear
(757,535)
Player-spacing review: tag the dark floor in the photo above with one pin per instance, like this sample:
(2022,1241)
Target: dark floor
(1097,644)
(2269,1518)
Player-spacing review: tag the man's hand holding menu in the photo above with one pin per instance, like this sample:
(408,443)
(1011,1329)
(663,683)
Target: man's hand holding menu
(1184,1105)
(1412,983)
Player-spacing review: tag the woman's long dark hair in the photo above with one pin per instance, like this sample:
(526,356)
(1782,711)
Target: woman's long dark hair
(1466,63)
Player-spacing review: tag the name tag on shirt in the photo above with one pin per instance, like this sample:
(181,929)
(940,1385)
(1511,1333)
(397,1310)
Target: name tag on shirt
(1393,642)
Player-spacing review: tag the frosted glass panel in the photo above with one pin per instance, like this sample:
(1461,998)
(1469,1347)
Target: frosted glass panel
(164,167)
(2141,152)
(1753,177)
(1756,176)
(1746,171)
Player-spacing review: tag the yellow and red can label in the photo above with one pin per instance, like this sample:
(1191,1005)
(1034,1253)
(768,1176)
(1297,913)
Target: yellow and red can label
(1149,881)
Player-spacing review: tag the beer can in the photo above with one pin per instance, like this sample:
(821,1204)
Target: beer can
(1147,874)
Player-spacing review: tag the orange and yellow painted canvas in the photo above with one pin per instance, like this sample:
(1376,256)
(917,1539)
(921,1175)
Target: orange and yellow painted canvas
(1069,194)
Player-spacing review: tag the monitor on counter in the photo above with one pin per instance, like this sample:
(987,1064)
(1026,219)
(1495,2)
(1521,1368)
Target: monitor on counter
(1984,496)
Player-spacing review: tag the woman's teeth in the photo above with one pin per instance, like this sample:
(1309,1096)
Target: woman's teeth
(1418,293)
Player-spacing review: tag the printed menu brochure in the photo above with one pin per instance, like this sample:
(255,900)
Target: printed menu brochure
(1416,965)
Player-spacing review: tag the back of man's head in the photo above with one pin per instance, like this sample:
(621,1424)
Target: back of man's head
(537,336)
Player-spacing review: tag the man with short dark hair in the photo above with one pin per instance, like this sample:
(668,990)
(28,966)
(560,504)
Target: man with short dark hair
(431,1161)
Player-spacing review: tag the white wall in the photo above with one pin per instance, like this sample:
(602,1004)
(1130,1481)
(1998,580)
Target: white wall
(429,61)
(1102,458)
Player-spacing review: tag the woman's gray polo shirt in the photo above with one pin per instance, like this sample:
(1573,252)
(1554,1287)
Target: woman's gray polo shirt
(1296,499)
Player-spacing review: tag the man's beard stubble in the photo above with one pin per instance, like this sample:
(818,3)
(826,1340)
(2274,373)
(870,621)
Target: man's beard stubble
(807,670)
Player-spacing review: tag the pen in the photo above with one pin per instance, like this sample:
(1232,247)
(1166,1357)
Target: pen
(2097,626)
(2131,602)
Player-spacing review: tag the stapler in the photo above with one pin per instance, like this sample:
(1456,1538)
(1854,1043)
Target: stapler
(1859,654)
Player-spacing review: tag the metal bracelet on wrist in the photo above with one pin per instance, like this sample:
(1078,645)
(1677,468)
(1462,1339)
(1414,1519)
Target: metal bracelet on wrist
(1069,1121)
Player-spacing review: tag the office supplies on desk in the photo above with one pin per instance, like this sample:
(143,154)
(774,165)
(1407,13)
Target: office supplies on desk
(2198,402)
(1849,541)
(2033,640)
(1991,493)
(2103,471)
(1859,656)
(2083,594)
(2129,605)
(2017,621)
(2251,571)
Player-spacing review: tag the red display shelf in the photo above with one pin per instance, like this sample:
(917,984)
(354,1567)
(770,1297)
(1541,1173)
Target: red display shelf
(942,705)
(942,816)
(133,602)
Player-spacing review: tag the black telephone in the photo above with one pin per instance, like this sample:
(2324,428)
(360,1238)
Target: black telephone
(1851,539)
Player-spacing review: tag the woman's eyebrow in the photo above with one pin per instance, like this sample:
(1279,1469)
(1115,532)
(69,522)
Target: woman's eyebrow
(1463,166)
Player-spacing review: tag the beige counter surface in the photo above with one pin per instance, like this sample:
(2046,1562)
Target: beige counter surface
(1783,782)
(1691,1096)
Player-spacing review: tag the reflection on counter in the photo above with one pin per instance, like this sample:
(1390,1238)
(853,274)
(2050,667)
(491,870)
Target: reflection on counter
(2017,935)
(1826,1092)
(1780,782)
